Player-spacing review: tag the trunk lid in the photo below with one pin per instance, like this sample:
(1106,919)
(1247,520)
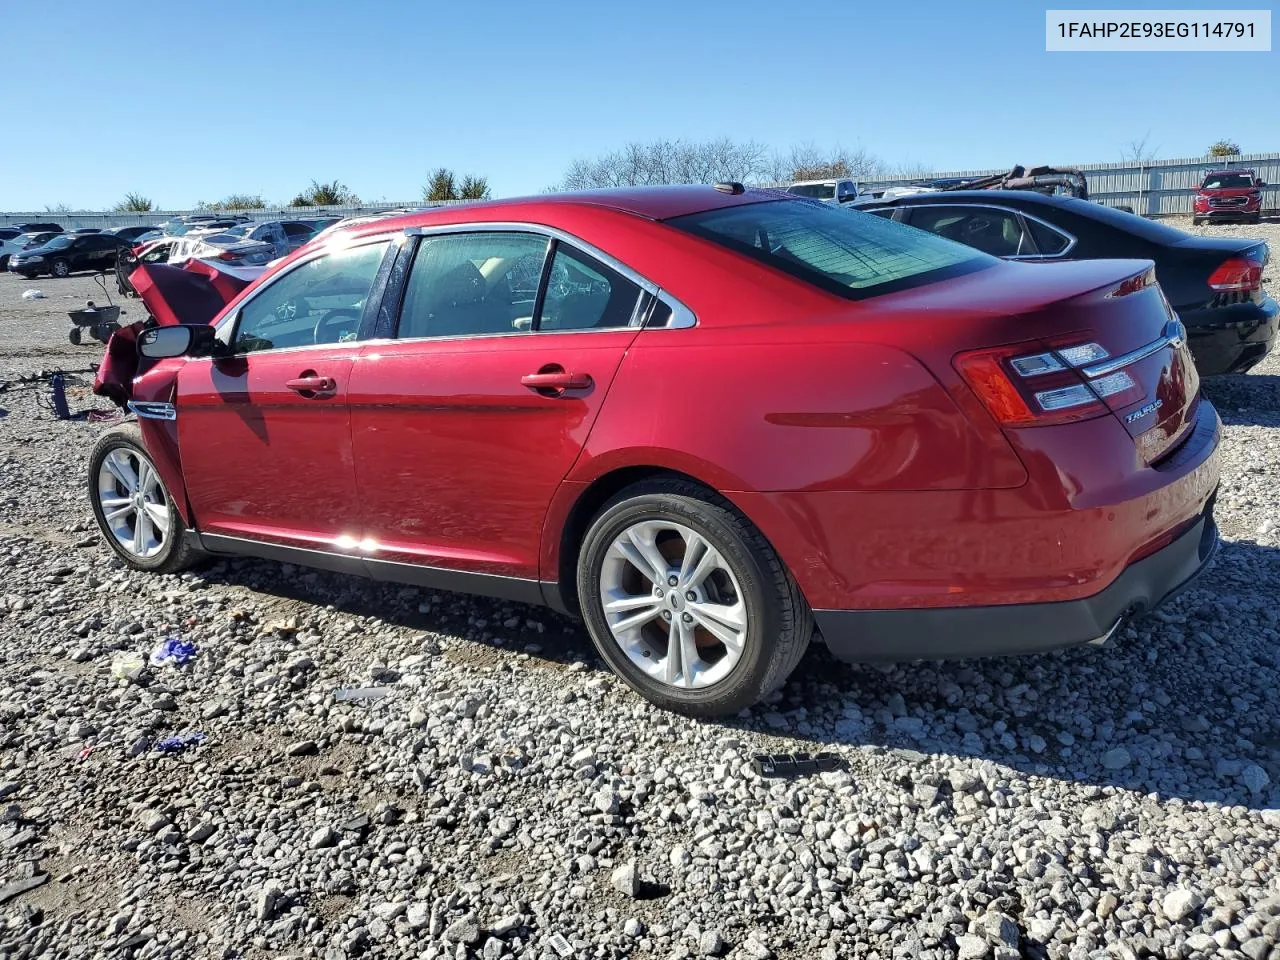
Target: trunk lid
(1101,330)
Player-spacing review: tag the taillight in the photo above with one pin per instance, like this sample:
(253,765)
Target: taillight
(1237,274)
(228,255)
(1027,385)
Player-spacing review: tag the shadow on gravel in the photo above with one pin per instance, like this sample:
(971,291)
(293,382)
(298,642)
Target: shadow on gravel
(1245,398)
(1184,704)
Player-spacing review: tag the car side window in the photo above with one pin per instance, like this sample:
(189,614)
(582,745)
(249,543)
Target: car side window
(1049,241)
(320,301)
(472,284)
(997,232)
(585,294)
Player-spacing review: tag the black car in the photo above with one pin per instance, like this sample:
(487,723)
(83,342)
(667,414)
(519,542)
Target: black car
(133,233)
(1213,283)
(39,227)
(67,253)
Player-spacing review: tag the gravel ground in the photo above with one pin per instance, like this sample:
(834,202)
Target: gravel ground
(507,797)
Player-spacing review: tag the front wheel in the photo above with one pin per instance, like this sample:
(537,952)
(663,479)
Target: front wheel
(134,510)
(61,269)
(1196,221)
(4,262)
(687,601)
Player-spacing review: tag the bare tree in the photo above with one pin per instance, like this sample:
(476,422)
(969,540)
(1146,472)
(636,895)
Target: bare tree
(1139,152)
(670,161)
(809,162)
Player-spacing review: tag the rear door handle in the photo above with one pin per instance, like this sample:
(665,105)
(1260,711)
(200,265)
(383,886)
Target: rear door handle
(557,381)
(312,385)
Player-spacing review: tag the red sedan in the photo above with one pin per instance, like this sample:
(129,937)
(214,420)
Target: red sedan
(707,420)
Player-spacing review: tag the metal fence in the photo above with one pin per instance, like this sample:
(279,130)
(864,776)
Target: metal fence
(1154,189)
(86,218)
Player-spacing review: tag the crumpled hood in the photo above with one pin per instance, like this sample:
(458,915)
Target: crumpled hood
(193,293)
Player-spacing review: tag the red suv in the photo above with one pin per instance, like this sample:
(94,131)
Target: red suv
(1228,195)
(707,420)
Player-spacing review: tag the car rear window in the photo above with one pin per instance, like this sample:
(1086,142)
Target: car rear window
(844,251)
(819,191)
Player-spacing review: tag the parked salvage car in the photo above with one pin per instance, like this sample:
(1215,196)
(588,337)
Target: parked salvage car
(134,233)
(67,253)
(1234,194)
(11,241)
(707,420)
(39,227)
(836,190)
(1214,283)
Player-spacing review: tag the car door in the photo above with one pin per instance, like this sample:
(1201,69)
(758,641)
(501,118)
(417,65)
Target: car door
(468,417)
(264,429)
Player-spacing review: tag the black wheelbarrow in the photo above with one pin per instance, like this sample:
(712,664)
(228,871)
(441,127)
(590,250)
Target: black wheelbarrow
(98,322)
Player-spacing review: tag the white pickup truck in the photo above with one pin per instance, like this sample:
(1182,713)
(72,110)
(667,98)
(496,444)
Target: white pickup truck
(837,190)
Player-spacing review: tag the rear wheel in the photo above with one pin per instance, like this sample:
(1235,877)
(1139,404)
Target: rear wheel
(61,269)
(134,510)
(687,601)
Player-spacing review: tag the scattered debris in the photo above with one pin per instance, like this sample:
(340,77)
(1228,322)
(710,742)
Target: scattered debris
(561,945)
(794,764)
(128,666)
(361,693)
(84,753)
(33,295)
(172,651)
(179,743)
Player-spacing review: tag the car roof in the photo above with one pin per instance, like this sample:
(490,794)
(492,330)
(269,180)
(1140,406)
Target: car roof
(823,183)
(1210,173)
(650,203)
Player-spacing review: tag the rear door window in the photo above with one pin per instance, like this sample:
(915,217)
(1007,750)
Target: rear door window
(845,251)
(584,294)
(1049,241)
(473,284)
(998,232)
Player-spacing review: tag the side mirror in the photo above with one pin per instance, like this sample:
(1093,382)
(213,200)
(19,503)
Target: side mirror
(1262,183)
(158,343)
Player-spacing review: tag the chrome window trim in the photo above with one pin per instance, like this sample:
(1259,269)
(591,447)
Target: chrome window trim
(1071,239)
(681,316)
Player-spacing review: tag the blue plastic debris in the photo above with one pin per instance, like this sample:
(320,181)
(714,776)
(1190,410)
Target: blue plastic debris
(178,743)
(172,651)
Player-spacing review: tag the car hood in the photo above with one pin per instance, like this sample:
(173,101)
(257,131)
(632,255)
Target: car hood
(193,293)
(40,251)
(1228,191)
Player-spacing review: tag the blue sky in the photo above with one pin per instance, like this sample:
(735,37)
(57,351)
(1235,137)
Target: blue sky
(194,100)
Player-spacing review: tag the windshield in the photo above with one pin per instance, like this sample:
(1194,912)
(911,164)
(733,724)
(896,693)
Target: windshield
(844,251)
(819,191)
(60,243)
(1228,181)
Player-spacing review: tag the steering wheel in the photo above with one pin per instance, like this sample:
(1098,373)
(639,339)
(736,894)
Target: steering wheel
(335,325)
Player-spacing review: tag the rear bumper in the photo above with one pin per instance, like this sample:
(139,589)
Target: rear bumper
(961,632)
(1231,339)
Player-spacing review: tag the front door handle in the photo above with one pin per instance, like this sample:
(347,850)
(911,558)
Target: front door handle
(312,385)
(556,381)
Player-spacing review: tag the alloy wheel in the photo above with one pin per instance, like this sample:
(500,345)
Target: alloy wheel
(673,604)
(135,507)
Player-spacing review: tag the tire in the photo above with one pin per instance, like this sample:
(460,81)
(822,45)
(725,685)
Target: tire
(4,262)
(171,552)
(1196,221)
(75,336)
(60,269)
(1255,218)
(777,622)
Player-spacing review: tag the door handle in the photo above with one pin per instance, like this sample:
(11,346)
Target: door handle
(557,380)
(311,384)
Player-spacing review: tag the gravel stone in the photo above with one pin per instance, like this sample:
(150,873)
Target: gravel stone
(1180,904)
(626,879)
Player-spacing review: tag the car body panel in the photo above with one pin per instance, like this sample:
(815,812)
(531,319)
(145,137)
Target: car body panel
(440,423)
(261,460)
